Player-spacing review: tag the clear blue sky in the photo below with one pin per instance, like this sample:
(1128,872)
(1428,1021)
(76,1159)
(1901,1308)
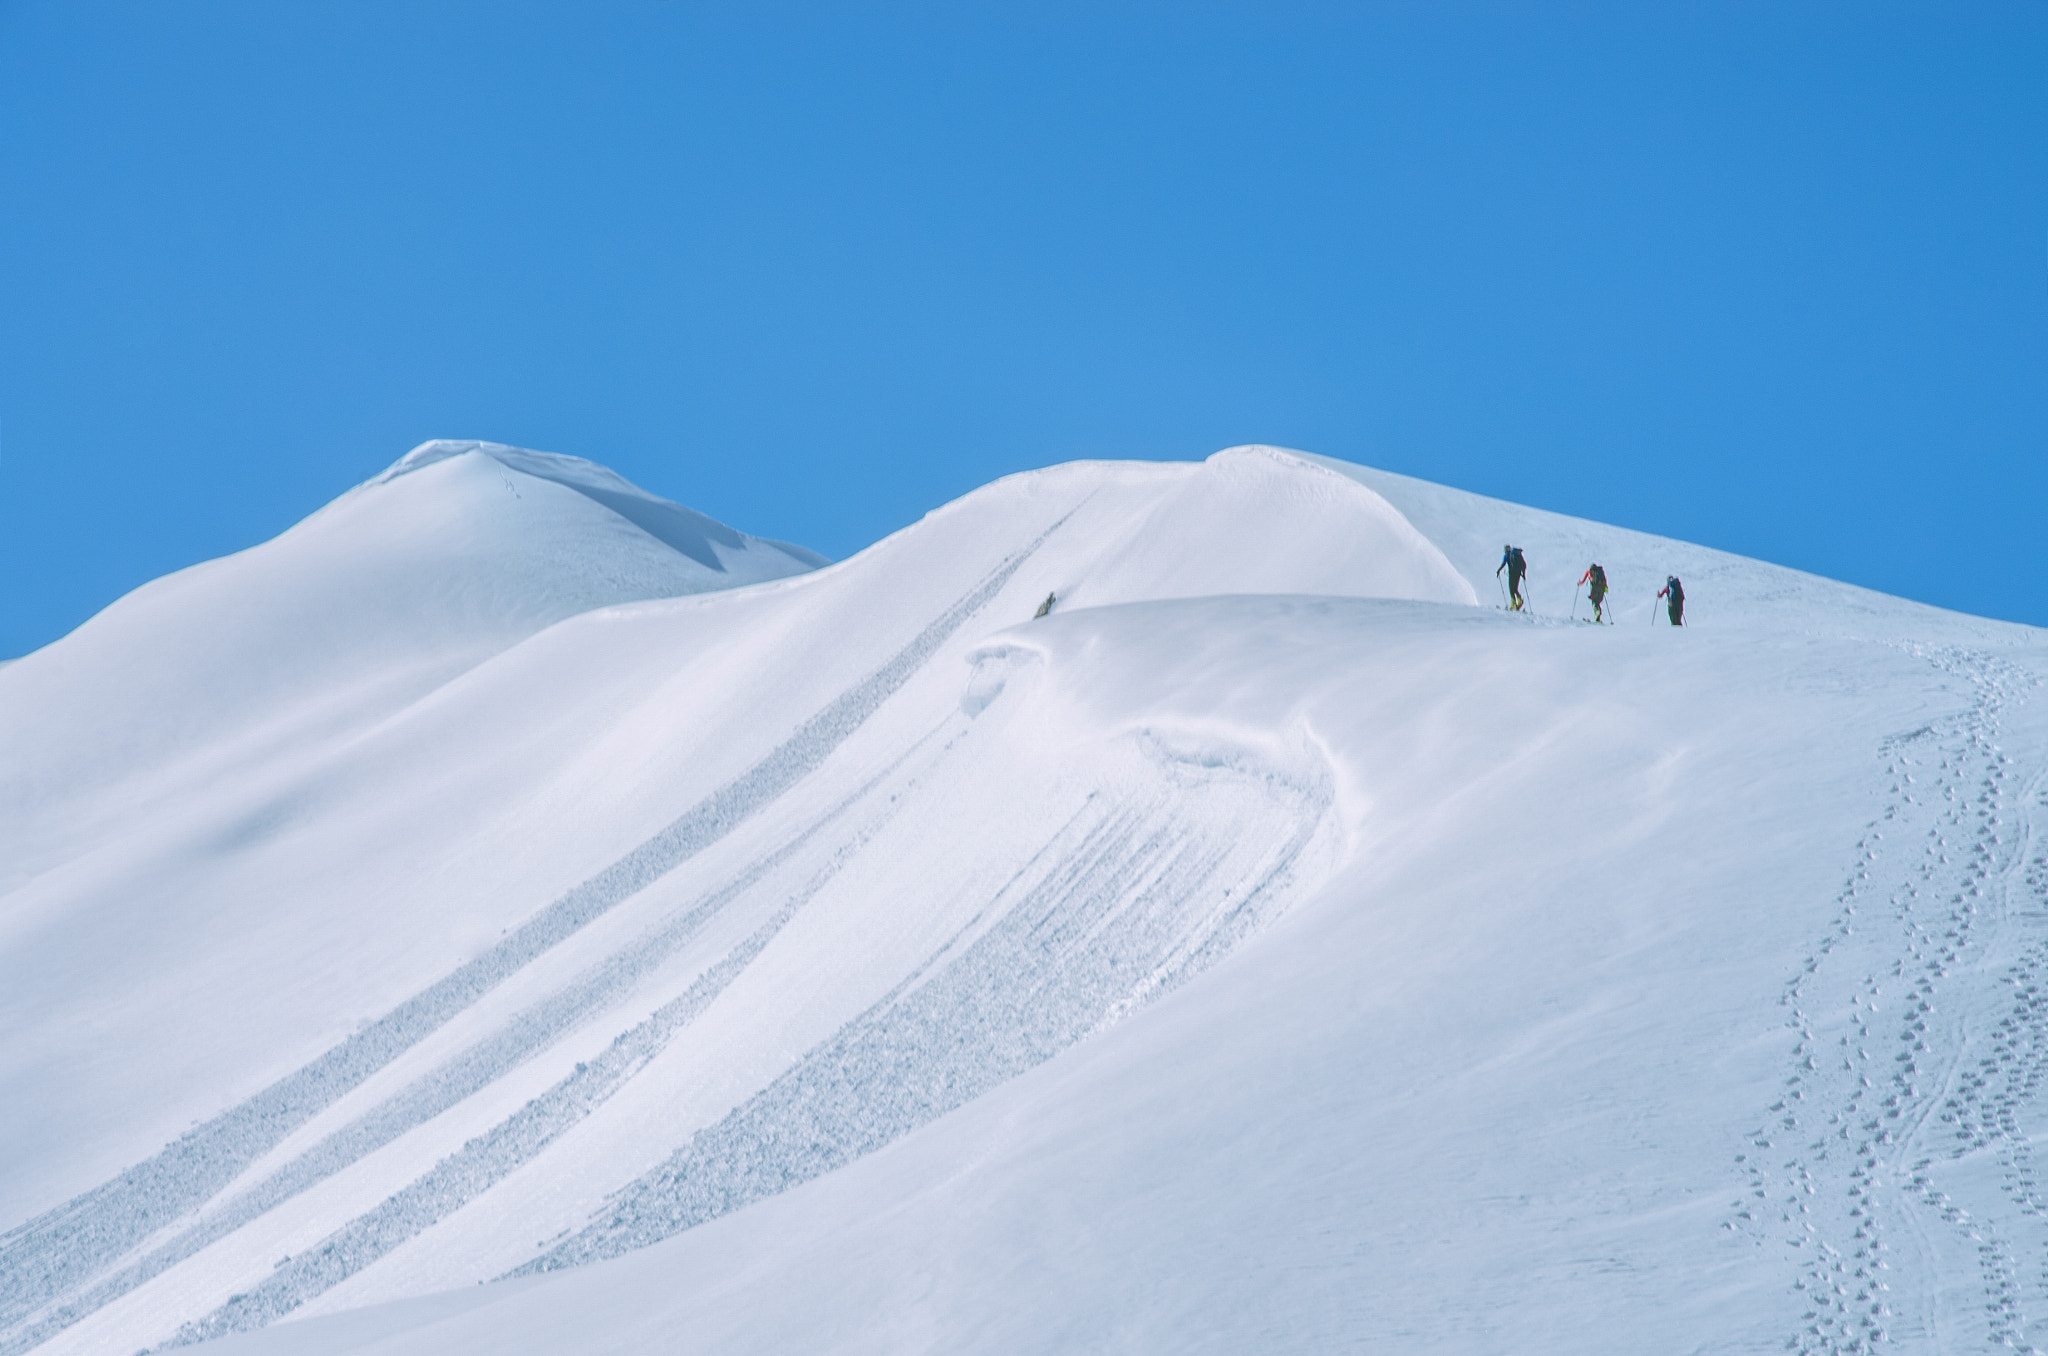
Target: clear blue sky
(1772,277)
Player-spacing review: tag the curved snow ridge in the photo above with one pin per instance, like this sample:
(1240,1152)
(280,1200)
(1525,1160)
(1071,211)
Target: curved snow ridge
(697,535)
(1056,674)
(1159,874)
(1437,575)
(992,668)
(1248,520)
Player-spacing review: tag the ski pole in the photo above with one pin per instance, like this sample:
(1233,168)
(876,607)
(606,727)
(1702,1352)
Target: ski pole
(1575,603)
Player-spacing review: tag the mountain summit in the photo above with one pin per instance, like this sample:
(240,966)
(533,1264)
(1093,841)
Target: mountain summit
(457,553)
(1148,907)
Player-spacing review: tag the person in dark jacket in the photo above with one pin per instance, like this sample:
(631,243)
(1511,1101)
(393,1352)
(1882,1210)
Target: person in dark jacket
(1511,561)
(1597,577)
(1676,593)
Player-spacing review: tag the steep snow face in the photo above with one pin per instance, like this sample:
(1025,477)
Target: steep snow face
(457,552)
(1267,949)
(677,903)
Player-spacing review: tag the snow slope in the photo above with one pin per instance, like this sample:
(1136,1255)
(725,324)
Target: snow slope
(1268,949)
(459,551)
(138,752)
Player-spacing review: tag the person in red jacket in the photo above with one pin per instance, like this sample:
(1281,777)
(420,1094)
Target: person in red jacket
(1598,592)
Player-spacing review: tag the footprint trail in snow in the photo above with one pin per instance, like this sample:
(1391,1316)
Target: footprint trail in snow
(1901,1145)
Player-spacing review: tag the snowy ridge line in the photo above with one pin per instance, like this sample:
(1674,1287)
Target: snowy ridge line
(489,1158)
(1084,942)
(63,1248)
(453,1081)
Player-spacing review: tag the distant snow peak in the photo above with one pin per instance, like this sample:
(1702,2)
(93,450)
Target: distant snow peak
(699,536)
(577,473)
(433,450)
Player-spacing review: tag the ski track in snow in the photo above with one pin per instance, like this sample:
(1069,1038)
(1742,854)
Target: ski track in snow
(55,1254)
(1134,895)
(1922,1040)
(1133,902)
(456,1079)
(487,1159)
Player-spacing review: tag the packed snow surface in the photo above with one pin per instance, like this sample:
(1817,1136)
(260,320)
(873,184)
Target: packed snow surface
(507,876)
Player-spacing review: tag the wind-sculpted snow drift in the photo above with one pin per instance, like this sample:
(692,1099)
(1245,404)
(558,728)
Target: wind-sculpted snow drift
(1268,949)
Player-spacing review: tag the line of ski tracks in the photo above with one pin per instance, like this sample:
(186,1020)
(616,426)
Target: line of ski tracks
(1151,880)
(1896,1167)
(55,1269)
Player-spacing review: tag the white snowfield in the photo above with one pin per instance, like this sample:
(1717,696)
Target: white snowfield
(505,876)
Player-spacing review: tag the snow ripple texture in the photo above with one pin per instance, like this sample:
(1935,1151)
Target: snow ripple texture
(1128,899)
(58,1253)
(469,1072)
(1907,1118)
(1132,902)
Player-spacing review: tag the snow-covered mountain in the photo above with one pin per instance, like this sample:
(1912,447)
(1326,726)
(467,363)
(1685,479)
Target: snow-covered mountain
(458,552)
(508,876)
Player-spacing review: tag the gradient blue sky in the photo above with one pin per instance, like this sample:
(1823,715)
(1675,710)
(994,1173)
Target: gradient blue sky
(1771,277)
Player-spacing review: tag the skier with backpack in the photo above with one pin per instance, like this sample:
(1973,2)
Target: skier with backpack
(1676,607)
(1598,591)
(1511,561)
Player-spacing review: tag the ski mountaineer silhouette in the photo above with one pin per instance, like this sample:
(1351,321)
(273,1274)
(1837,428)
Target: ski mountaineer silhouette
(1598,592)
(1511,561)
(1676,607)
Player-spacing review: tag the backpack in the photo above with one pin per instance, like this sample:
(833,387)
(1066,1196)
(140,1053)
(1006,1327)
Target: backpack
(1677,589)
(1599,581)
(1515,561)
